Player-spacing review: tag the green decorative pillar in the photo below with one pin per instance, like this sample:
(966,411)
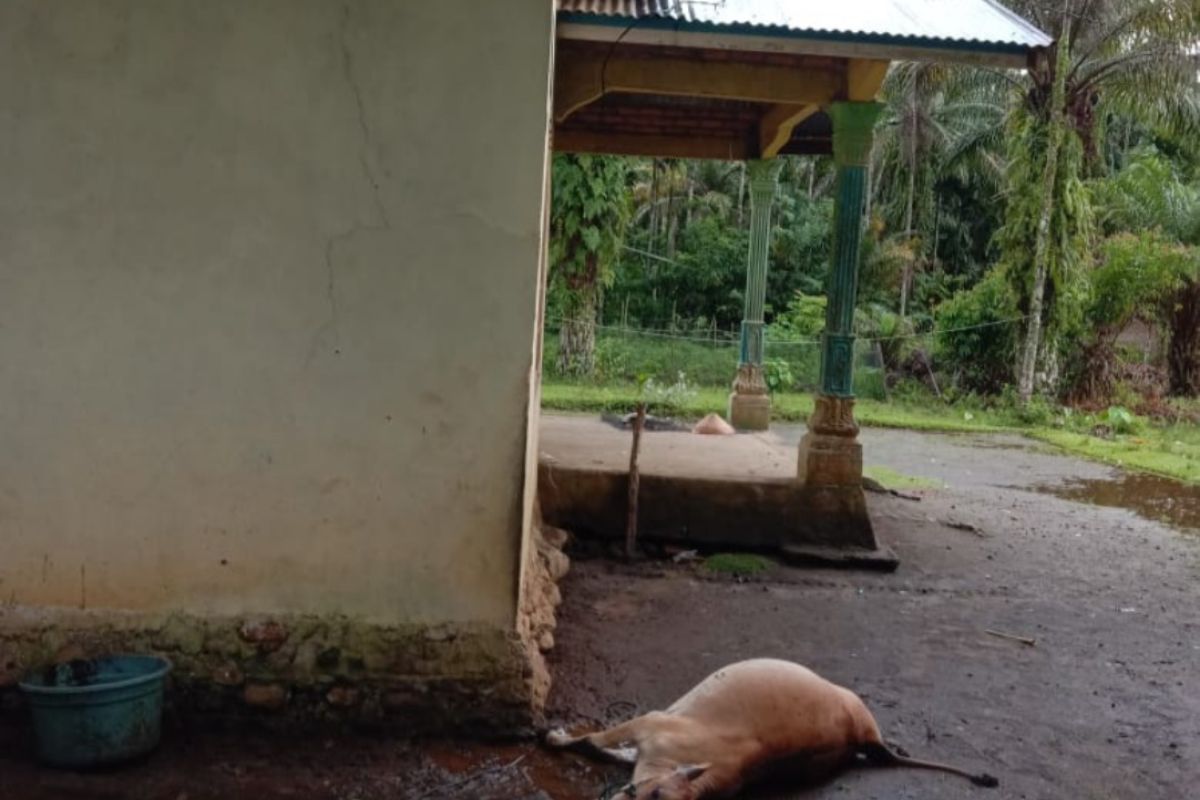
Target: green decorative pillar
(830,454)
(750,404)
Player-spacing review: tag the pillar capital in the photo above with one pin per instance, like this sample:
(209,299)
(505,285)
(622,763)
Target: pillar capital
(764,176)
(853,131)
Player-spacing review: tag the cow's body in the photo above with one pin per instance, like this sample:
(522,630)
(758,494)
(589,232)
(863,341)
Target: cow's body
(737,723)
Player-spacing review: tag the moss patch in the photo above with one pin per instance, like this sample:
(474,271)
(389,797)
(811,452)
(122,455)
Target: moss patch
(739,564)
(898,480)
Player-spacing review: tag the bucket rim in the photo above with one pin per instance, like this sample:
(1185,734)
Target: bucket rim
(164,666)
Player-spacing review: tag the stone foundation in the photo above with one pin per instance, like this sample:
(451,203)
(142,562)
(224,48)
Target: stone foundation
(546,564)
(805,523)
(300,670)
(312,671)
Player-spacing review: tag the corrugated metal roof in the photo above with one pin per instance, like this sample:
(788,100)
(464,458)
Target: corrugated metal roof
(960,22)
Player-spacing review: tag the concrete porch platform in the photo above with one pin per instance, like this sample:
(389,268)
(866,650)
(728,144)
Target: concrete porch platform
(588,441)
(737,492)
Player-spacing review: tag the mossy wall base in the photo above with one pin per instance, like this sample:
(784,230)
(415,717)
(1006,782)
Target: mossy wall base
(307,671)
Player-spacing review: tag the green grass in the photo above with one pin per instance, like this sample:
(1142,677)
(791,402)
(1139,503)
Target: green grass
(739,564)
(1172,451)
(1169,450)
(898,480)
(786,407)
(624,358)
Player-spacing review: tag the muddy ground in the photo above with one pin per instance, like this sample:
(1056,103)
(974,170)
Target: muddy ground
(1106,704)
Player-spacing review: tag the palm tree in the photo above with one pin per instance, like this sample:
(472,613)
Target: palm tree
(938,122)
(1148,194)
(1130,57)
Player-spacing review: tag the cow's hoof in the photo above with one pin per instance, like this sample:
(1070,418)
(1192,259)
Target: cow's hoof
(558,738)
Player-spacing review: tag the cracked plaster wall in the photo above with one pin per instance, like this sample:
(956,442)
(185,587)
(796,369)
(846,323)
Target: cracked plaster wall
(269,272)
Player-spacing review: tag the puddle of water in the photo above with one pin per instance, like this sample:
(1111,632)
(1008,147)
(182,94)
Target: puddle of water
(1149,496)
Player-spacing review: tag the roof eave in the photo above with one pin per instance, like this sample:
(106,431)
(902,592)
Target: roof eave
(755,38)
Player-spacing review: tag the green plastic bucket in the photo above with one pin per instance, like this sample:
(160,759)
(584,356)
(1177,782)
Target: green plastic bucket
(97,711)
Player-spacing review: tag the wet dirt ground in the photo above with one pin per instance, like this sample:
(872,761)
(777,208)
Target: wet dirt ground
(1020,540)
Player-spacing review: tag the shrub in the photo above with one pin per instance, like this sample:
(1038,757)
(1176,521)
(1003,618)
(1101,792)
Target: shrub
(804,318)
(978,338)
(1120,420)
(778,375)
(668,398)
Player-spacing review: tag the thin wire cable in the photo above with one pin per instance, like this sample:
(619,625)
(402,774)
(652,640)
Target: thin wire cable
(731,338)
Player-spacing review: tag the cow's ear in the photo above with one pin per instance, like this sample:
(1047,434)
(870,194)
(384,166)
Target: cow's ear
(693,771)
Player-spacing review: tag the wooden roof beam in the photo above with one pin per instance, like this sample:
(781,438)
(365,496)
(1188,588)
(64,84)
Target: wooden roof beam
(583,78)
(864,78)
(776,126)
(723,148)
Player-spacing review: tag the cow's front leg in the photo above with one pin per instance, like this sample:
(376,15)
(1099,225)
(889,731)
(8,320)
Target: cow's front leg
(608,743)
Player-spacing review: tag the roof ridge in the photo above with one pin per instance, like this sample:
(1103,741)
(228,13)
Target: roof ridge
(981,21)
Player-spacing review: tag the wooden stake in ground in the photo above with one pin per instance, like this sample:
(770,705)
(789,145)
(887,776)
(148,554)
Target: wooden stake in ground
(1025,640)
(639,422)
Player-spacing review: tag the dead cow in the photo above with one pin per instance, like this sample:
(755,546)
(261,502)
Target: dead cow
(737,724)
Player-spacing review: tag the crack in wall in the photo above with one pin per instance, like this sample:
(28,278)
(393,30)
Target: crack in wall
(383,222)
(364,129)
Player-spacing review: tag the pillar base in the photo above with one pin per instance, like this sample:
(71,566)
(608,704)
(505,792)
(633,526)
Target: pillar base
(750,412)
(830,461)
(750,404)
(830,454)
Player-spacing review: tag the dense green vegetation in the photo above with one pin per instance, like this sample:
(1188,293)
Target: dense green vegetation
(1018,225)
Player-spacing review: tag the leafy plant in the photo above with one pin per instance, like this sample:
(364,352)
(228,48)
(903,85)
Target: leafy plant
(1119,420)
(778,375)
(804,318)
(588,215)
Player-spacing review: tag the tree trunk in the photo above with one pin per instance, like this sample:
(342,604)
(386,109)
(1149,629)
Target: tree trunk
(691,198)
(741,193)
(672,217)
(1041,250)
(1183,351)
(869,193)
(937,229)
(653,205)
(910,201)
(577,337)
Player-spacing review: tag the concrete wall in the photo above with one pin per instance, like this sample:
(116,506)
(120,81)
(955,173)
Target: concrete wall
(269,272)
